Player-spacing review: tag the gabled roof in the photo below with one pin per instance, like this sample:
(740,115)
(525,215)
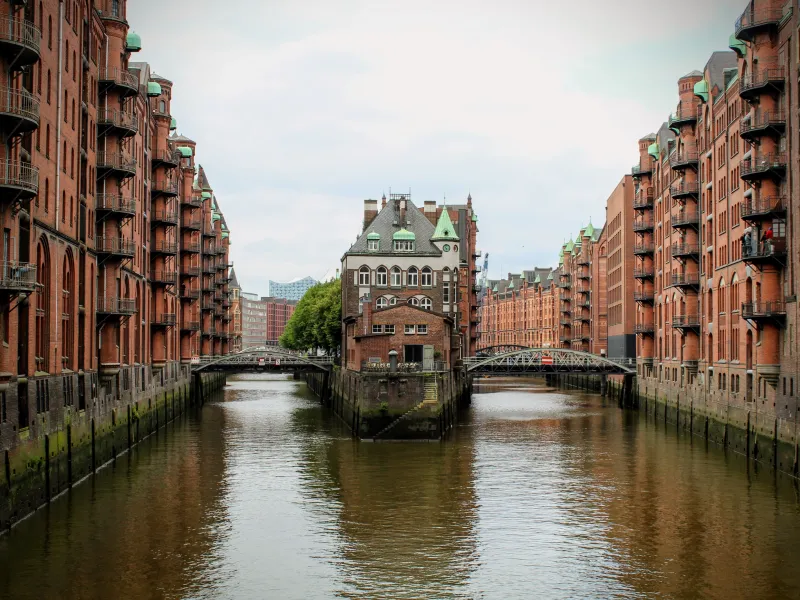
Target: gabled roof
(444,229)
(202,179)
(234,282)
(181,138)
(387,223)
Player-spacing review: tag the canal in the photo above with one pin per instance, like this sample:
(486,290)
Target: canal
(539,493)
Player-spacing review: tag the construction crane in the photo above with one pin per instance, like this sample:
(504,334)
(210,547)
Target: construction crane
(483,276)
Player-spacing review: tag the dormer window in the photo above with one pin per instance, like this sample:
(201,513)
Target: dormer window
(373,242)
(403,241)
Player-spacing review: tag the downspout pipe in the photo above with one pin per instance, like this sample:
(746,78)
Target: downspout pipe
(59,158)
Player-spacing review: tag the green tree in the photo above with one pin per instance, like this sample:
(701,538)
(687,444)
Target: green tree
(317,320)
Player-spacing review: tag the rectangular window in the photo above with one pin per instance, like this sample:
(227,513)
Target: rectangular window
(446,293)
(388,329)
(377,329)
(372,245)
(422,329)
(409,330)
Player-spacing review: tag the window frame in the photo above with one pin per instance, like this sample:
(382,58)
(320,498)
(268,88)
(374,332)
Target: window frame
(382,277)
(426,273)
(422,329)
(409,329)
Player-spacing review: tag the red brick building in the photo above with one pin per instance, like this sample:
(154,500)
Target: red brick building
(408,284)
(102,219)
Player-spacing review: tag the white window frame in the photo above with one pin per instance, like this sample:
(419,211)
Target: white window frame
(388,329)
(396,276)
(393,301)
(413,301)
(446,292)
(363,276)
(377,328)
(373,245)
(413,277)
(422,329)
(427,277)
(409,329)
(381,302)
(382,276)
(403,246)
(426,304)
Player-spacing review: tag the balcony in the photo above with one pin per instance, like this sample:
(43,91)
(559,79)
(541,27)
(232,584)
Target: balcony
(164,277)
(208,287)
(192,201)
(113,306)
(644,199)
(584,318)
(209,331)
(763,123)
(584,275)
(688,158)
(641,225)
(685,219)
(209,269)
(643,273)
(685,115)
(581,336)
(115,247)
(125,82)
(165,320)
(752,22)
(191,248)
(644,329)
(192,224)
(686,322)
(20,42)
(641,170)
(164,187)
(686,251)
(116,163)
(565,309)
(165,158)
(164,217)
(770,252)
(770,81)
(17,277)
(115,204)
(565,297)
(764,209)
(765,311)
(644,249)
(564,285)
(190,271)
(190,294)
(19,111)
(686,280)
(767,166)
(18,180)
(208,230)
(207,304)
(116,122)
(190,326)
(565,339)
(164,248)
(643,297)
(686,189)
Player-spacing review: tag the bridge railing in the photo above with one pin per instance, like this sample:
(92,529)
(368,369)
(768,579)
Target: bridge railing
(437,366)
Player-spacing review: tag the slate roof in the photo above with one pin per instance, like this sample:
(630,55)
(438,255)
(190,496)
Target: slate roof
(202,179)
(181,138)
(234,282)
(387,223)
(716,66)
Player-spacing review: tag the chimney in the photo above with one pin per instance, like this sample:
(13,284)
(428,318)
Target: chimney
(370,212)
(366,314)
(430,211)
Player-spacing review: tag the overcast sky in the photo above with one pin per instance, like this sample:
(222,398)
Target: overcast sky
(303,108)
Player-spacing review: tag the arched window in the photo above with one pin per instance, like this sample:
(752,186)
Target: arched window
(381,302)
(427,277)
(392,300)
(413,277)
(426,303)
(67,318)
(363,276)
(381,277)
(42,304)
(413,301)
(162,107)
(396,274)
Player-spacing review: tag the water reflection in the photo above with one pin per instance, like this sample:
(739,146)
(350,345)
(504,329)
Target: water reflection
(539,493)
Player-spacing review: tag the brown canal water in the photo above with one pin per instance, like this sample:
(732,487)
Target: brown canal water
(539,493)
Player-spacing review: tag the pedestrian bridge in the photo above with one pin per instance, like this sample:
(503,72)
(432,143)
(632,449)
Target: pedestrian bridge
(264,358)
(520,360)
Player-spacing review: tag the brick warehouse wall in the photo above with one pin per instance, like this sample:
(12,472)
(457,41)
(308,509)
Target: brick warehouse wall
(97,230)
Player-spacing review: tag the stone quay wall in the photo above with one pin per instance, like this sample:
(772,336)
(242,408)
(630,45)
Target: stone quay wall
(72,439)
(393,406)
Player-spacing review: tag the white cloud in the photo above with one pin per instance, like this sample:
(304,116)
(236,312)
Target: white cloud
(302,109)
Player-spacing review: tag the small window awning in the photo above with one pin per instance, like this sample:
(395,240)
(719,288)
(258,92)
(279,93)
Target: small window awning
(373,236)
(404,234)
(701,90)
(205,195)
(173,124)
(133,43)
(153,89)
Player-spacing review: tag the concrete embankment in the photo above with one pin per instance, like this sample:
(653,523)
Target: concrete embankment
(69,441)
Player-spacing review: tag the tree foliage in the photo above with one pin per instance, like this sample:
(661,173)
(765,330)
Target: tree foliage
(317,320)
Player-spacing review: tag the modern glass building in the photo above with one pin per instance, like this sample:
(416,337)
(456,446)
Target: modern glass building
(291,290)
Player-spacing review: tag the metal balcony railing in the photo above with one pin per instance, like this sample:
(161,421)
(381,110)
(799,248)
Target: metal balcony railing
(685,158)
(21,104)
(164,247)
(685,279)
(191,326)
(17,276)
(111,117)
(642,224)
(685,218)
(762,78)
(115,203)
(112,305)
(768,207)
(684,115)
(761,121)
(23,37)
(165,320)
(753,19)
(766,309)
(19,177)
(114,245)
(169,217)
(164,186)
(644,198)
(120,78)
(686,321)
(165,157)
(644,328)
(683,189)
(116,161)
(682,250)
(753,168)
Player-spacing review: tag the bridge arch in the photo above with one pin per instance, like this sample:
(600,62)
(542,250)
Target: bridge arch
(548,360)
(274,352)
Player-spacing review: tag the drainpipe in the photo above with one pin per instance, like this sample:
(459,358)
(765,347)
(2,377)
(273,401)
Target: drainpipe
(58,145)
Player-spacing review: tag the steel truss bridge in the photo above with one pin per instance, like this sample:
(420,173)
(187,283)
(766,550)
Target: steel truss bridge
(520,360)
(264,358)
